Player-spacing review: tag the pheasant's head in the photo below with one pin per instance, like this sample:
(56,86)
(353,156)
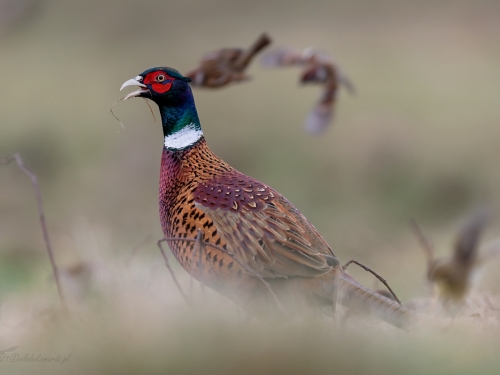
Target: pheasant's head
(171,92)
(164,86)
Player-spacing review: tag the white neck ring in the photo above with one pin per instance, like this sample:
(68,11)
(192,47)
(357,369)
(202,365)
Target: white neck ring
(185,137)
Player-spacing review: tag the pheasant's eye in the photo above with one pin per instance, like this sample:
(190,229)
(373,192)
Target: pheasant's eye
(160,78)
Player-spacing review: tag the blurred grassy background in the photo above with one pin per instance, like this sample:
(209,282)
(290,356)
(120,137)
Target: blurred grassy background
(420,139)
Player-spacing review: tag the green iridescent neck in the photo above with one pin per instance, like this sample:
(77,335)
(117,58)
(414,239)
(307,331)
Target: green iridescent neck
(181,125)
(176,117)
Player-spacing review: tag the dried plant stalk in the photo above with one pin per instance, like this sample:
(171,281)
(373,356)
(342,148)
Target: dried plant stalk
(120,121)
(17,158)
(382,280)
(167,263)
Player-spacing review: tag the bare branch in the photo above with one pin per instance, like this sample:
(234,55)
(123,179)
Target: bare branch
(424,243)
(17,158)
(344,267)
(167,263)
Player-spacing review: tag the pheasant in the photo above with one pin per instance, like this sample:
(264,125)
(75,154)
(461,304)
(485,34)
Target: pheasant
(251,232)
(319,69)
(226,65)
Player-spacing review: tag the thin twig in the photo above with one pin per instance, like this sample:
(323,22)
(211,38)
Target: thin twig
(150,109)
(344,267)
(244,266)
(424,243)
(167,263)
(191,260)
(199,246)
(17,158)
(119,100)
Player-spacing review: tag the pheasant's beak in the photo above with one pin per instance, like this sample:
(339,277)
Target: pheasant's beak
(135,82)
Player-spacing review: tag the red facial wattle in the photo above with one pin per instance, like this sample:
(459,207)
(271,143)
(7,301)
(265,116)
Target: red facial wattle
(160,87)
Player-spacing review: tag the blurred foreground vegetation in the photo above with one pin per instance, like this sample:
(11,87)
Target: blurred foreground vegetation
(420,140)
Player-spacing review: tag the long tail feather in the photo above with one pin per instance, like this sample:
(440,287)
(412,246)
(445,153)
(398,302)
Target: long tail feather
(339,287)
(354,295)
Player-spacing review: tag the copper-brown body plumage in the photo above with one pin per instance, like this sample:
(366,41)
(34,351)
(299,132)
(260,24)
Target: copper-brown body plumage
(199,191)
(259,228)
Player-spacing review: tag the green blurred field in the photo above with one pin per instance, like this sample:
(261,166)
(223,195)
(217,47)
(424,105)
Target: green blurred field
(420,139)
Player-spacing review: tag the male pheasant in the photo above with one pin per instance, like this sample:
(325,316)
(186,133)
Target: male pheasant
(255,233)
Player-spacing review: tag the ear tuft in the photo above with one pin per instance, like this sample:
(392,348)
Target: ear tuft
(176,74)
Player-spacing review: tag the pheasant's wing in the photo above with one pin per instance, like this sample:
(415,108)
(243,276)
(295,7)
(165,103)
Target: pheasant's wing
(262,229)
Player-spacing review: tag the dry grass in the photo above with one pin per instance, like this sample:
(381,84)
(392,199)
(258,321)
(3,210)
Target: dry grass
(129,318)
